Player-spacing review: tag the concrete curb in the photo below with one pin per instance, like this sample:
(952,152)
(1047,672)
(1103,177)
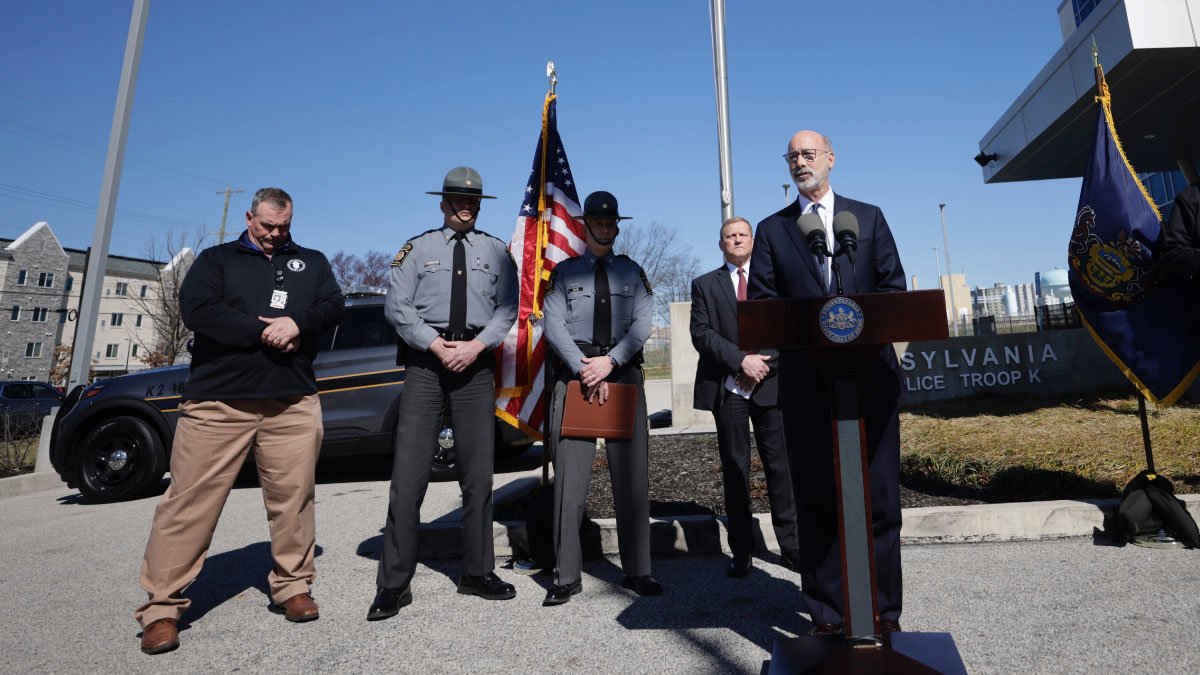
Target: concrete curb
(26,483)
(684,535)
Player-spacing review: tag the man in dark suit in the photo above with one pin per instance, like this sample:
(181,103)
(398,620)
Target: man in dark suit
(782,266)
(737,387)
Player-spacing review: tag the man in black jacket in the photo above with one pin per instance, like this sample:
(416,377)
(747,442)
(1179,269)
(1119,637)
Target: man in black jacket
(257,306)
(737,387)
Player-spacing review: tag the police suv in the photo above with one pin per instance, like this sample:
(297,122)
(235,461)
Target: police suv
(112,438)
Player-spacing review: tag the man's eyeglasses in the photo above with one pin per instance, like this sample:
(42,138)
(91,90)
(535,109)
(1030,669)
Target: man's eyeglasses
(808,155)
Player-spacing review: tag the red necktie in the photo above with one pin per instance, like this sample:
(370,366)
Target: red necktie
(741,290)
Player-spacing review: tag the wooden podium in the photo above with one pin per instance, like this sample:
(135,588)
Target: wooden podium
(841,336)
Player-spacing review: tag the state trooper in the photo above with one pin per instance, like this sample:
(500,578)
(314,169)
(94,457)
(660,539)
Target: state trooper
(598,312)
(452,299)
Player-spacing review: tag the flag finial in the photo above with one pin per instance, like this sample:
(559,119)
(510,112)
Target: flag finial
(1095,53)
(551,75)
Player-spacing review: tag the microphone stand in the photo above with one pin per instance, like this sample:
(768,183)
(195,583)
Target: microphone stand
(837,274)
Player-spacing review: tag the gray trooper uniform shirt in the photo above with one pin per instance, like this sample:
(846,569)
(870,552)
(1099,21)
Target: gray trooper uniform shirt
(569,311)
(418,302)
(570,302)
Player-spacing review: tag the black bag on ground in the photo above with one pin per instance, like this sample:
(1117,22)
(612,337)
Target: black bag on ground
(1150,504)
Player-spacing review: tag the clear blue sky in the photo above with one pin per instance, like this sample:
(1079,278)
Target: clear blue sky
(358,108)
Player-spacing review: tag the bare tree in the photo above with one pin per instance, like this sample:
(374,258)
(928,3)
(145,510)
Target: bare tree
(345,269)
(168,340)
(669,263)
(373,268)
(60,370)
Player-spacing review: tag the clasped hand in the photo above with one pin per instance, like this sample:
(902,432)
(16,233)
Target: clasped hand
(281,333)
(456,356)
(754,370)
(593,375)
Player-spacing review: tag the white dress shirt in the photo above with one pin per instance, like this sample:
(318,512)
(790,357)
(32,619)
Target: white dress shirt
(732,270)
(826,214)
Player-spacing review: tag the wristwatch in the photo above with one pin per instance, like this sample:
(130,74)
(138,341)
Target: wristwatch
(613,361)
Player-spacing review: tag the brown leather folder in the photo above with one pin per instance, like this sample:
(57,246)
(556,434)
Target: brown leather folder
(613,420)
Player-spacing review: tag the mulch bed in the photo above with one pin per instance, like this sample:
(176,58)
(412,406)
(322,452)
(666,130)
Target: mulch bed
(685,479)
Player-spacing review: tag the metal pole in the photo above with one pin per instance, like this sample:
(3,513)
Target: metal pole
(93,280)
(717,10)
(1145,433)
(786,201)
(949,267)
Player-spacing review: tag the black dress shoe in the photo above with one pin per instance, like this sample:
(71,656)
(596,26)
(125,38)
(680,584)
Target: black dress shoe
(388,602)
(559,595)
(791,559)
(738,567)
(827,630)
(488,587)
(643,585)
(889,626)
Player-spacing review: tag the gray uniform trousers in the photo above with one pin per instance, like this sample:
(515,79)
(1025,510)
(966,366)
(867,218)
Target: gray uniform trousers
(628,470)
(472,403)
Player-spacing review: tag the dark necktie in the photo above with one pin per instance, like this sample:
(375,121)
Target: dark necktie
(602,312)
(822,261)
(458,288)
(741,289)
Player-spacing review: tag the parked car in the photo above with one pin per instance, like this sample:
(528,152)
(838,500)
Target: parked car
(23,404)
(112,438)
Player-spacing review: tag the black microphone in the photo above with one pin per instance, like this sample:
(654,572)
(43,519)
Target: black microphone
(845,232)
(813,229)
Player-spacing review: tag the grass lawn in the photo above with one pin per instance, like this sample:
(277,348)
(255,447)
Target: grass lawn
(1030,448)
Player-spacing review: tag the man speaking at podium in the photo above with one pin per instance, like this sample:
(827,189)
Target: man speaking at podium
(783,266)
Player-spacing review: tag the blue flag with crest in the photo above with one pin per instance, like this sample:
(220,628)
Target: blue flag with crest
(1145,328)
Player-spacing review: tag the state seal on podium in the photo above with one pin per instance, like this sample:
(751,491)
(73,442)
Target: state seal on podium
(841,320)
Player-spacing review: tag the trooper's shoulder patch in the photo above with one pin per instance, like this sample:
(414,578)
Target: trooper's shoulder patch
(551,280)
(645,280)
(401,254)
(511,259)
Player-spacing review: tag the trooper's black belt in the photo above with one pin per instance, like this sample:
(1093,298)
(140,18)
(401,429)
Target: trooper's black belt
(592,350)
(458,337)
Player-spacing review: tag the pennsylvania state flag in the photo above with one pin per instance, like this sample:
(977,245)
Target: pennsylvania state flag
(1147,330)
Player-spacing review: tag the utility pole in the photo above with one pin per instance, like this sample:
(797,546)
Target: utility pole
(225,212)
(724,152)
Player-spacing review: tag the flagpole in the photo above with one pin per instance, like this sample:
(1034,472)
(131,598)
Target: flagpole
(717,10)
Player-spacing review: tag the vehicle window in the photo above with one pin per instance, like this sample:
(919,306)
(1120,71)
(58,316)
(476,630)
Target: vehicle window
(42,391)
(364,327)
(17,391)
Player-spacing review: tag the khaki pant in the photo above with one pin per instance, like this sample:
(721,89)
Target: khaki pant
(211,442)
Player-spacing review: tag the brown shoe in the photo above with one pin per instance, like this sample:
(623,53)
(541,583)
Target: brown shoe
(827,630)
(160,636)
(300,608)
(888,626)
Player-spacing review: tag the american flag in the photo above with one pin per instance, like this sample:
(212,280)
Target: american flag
(546,234)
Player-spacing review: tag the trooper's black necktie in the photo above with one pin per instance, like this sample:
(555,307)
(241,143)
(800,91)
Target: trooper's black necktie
(602,312)
(458,288)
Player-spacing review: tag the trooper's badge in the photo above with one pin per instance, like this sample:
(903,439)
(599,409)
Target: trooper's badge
(295,265)
(400,255)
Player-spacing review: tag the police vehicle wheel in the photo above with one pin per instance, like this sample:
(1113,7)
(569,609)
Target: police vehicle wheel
(122,458)
(443,464)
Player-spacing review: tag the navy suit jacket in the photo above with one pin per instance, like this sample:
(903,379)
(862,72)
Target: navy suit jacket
(783,267)
(714,331)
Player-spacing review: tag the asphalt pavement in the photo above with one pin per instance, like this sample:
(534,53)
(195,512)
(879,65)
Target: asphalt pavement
(69,585)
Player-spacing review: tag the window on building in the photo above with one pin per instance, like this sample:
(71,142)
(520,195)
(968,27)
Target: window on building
(21,277)
(122,288)
(133,351)
(138,321)
(39,314)
(70,282)
(143,292)
(33,350)
(1083,8)
(46,280)
(117,319)
(110,351)
(16,313)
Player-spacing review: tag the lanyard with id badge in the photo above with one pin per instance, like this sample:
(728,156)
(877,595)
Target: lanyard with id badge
(278,296)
